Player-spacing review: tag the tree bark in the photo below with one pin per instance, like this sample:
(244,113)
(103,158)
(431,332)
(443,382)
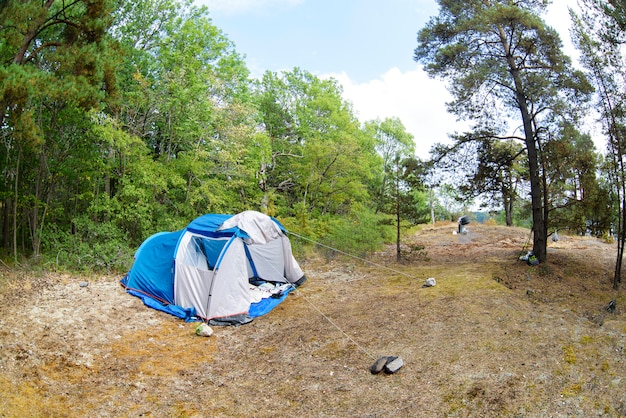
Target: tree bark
(15,204)
(540,241)
(6,218)
(30,35)
(616,142)
(432,206)
(398,253)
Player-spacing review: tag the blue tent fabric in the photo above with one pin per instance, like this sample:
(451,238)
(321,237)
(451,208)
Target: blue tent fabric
(189,314)
(155,258)
(151,277)
(211,249)
(208,225)
(266,305)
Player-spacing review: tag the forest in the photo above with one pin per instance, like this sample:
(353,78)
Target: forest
(120,119)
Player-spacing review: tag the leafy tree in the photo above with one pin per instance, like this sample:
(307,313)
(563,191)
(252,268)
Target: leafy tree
(494,170)
(501,55)
(483,166)
(452,201)
(187,96)
(571,164)
(400,171)
(499,174)
(394,144)
(118,119)
(318,160)
(600,34)
(417,208)
(54,62)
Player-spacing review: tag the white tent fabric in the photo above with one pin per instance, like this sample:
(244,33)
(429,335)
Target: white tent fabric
(258,226)
(223,290)
(208,270)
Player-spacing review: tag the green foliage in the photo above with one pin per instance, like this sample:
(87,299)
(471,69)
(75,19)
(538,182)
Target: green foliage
(417,207)
(452,201)
(503,62)
(91,247)
(56,65)
(394,147)
(599,35)
(318,156)
(357,234)
(143,117)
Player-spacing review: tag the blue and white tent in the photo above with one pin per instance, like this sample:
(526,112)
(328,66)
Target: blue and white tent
(225,269)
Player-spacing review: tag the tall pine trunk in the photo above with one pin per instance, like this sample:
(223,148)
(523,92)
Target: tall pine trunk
(15,202)
(540,241)
(398,253)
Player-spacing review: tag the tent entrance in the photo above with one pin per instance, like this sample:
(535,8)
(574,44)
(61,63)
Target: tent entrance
(206,249)
(195,269)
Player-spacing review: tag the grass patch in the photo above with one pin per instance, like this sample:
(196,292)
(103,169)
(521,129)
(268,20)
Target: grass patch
(569,355)
(476,344)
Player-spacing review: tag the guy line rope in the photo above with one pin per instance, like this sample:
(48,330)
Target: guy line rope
(355,257)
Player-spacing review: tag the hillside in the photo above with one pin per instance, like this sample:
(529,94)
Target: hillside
(494,337)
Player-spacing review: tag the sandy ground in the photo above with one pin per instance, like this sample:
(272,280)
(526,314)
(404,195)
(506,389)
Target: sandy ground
(494,337)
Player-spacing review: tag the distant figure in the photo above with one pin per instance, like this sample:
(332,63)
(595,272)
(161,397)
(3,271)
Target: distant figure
(463,220)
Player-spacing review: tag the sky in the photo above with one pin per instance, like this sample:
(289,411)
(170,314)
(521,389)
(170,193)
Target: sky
(366,45)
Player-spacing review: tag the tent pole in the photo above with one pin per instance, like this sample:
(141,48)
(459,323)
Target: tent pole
(208,299)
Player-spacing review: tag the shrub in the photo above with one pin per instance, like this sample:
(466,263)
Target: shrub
(92,246)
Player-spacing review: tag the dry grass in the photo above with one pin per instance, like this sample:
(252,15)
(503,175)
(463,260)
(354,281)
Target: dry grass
(494,337)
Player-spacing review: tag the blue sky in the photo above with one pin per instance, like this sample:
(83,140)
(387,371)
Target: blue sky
(363,38)
(366,45)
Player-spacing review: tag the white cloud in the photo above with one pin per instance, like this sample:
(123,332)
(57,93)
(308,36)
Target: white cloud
(558,17)
(417,100)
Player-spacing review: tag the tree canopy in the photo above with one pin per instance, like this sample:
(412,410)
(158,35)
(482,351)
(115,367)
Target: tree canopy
(120,119)
(600,36)
(503,62)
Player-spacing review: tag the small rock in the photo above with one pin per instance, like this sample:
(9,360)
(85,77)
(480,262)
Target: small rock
(430,282)
(378,365)
(390,364)
(204,330)
(394,365)
(83,284)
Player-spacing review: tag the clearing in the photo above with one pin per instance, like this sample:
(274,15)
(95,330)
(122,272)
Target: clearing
(494,337)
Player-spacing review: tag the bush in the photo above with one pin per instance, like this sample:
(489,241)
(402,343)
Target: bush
(356,234)
(91,247)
